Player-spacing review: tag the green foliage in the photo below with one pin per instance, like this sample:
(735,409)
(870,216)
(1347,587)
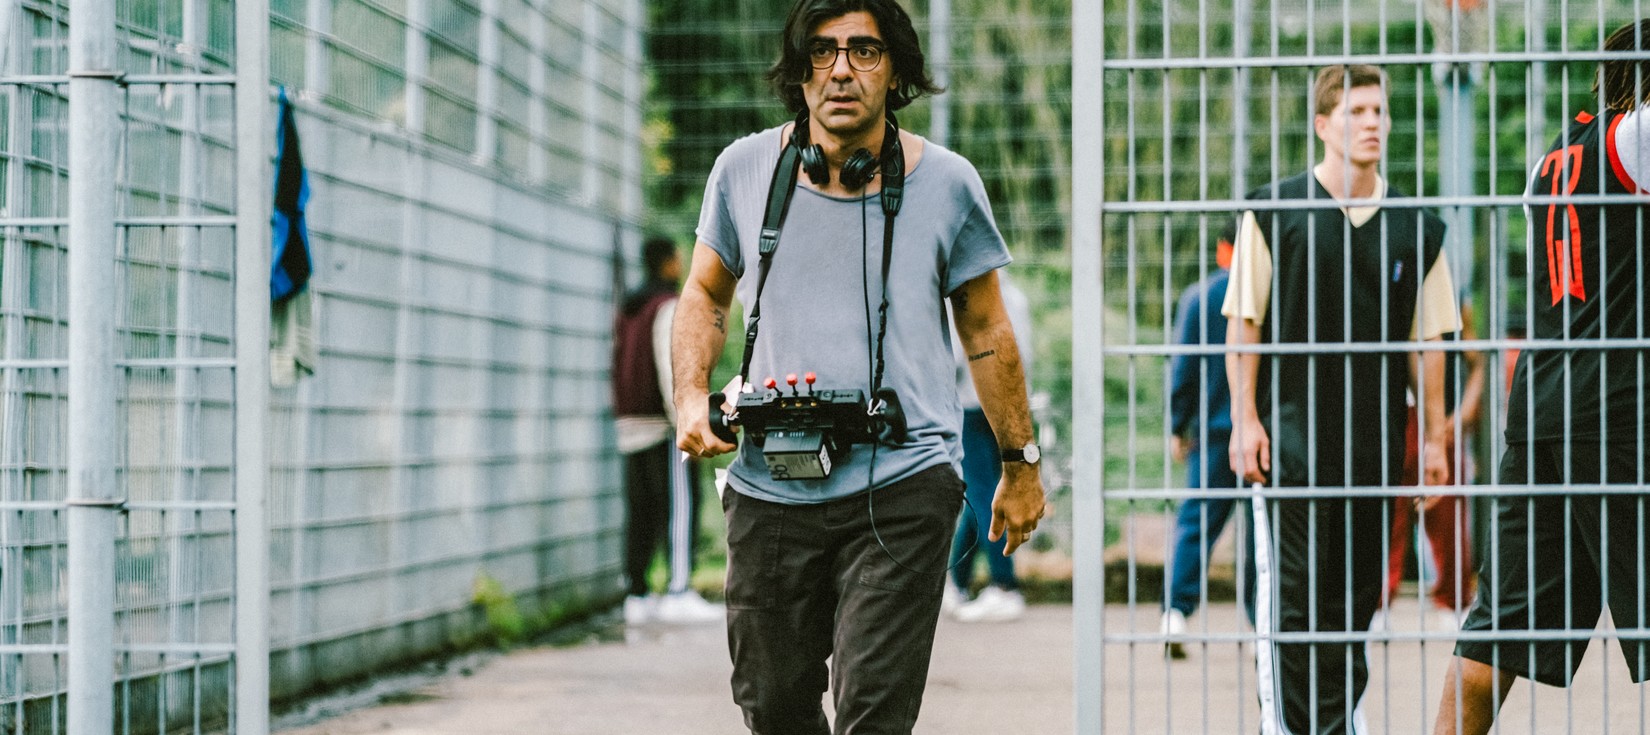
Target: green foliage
(504,619)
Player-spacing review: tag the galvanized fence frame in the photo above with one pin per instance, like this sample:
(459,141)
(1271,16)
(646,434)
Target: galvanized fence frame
(171,507)
(1111,636)
(108,476)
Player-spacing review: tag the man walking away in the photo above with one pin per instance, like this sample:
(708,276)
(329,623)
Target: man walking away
(661,493)
(1200,424)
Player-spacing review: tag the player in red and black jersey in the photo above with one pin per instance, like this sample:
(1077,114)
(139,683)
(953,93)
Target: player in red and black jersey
(1576,415)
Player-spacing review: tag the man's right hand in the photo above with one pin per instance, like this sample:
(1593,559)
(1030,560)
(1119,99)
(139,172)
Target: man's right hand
(1179,447)
(1250,450)
(693,433)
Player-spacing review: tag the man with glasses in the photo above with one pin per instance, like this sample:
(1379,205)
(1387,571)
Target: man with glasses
(1575,416)
(850,567)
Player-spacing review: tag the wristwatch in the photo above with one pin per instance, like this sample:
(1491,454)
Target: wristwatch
(1028,454)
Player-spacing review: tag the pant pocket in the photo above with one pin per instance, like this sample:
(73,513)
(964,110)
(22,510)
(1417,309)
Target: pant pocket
(754,532)
(911,524)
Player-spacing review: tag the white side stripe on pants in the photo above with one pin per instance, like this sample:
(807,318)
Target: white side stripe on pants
(1271,699)
(1269,682)
(681,525)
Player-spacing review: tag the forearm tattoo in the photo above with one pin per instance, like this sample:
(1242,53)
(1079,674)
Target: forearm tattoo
(981,355)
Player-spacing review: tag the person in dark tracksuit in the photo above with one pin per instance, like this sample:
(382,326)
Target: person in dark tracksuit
(661,497)
(1200,426)
(1350,271)
(1576,416)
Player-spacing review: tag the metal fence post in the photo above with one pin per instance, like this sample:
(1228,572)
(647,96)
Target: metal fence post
(253,200)
(590,74)
(416,62)
(939,55)
(1088,368)
(487,61)
(635,98)
(92,501)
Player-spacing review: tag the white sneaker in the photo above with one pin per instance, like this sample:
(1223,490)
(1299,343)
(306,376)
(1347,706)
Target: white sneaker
(994,605)
(639,609)
(1172,628)
(688,608)
(952,600)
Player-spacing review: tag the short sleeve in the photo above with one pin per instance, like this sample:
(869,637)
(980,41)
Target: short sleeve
(978,247)
(1249,290)
(661,355)
(1629,149)
(717,229)
(1438,314)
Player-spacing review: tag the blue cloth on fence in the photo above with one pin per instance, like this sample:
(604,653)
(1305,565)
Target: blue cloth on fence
(292,266)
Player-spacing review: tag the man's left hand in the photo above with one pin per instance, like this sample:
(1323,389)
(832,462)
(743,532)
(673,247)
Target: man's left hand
(1017,506)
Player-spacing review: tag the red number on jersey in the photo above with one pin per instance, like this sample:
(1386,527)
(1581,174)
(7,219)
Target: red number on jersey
(1563,167)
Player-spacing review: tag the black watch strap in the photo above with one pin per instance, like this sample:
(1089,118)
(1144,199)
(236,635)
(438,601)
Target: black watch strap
(1018,454)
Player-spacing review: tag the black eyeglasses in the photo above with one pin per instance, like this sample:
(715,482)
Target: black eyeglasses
(861,56)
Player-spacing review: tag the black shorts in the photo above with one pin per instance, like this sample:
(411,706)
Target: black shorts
(1555,562)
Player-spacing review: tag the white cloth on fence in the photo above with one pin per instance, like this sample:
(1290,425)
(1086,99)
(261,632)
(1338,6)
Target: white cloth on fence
(292,348)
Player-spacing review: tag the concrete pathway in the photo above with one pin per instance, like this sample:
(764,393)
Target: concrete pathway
(989,679)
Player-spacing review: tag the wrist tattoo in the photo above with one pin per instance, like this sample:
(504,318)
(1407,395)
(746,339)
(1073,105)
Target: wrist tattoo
(719,320)
(981,355)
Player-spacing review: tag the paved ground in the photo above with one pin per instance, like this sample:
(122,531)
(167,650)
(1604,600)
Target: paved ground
(988,679)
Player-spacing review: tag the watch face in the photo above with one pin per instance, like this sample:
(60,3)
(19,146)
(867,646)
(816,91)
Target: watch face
(1032,453)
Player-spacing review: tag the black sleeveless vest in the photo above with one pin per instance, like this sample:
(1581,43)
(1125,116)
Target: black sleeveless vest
(1339,415)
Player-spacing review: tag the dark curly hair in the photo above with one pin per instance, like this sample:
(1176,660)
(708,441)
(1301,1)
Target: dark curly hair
(793,67)
(1623,81)
(657,250)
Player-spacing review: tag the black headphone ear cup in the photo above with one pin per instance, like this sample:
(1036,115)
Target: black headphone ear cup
(813,164)
(859,169)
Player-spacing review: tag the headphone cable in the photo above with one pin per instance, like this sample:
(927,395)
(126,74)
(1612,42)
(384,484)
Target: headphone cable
(871,471)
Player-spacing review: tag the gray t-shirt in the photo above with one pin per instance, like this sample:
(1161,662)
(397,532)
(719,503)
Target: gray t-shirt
(826,277)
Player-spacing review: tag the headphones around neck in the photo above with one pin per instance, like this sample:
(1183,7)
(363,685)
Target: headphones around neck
(860,167)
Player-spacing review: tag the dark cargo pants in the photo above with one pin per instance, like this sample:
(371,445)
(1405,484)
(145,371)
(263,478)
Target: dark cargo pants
(811,582)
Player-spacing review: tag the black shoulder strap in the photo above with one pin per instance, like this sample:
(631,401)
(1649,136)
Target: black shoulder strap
(780,191)
(893,194)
